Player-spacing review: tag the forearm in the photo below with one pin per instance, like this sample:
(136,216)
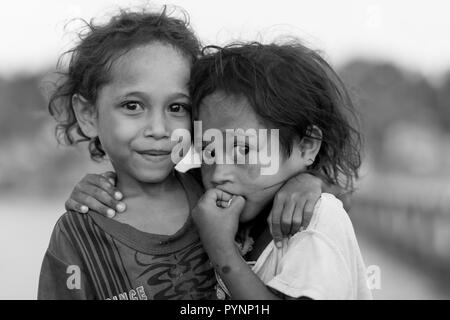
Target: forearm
(237,275)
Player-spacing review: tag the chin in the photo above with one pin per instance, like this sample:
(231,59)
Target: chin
(153,176)
(250,212)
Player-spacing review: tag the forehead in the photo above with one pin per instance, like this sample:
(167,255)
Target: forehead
(154,66)
(221,111)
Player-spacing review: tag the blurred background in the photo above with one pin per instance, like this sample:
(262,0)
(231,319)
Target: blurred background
(394,56)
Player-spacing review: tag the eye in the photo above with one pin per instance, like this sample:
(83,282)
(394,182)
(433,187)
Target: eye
(179,108)
(208,150)
(132,107)
(243,150)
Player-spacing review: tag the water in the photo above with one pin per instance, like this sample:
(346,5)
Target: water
(26,225)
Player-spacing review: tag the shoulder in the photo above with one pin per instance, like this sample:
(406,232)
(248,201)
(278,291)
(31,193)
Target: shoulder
(66,231)
(322,261)
(71,220)
(330,217)
(329,234)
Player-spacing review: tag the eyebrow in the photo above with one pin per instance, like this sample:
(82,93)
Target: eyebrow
(241,133)
(173,96)
(180,95)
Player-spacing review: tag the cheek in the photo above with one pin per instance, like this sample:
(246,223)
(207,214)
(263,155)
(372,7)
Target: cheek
(253,171)
(256,184)
(180,123)
(114,129)
(207,172)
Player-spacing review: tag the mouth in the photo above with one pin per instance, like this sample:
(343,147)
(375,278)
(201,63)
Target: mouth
(155,155)
(229,191)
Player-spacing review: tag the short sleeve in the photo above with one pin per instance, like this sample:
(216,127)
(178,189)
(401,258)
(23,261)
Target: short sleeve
(312,267)
(62,276)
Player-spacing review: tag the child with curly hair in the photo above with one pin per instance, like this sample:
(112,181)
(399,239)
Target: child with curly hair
(291,88)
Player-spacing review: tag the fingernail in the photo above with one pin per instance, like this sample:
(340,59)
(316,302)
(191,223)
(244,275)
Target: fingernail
(278,244)
(84,209)
(118,195)
(121,207)
(112,181)
(110,213)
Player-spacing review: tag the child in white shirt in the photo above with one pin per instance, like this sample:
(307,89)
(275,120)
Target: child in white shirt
(292,89)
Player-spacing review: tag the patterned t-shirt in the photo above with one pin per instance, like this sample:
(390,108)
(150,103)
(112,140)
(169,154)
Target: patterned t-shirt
(93,257)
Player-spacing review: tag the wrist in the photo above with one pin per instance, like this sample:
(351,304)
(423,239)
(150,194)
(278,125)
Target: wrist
(218,240)
(222,253)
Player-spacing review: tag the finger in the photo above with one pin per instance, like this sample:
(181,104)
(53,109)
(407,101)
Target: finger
(297,219)
(111,176)
(277,208)
(210,195)
(237,204)
(225,196)
(105,184)
(286,217)
(72,205)
(308,212)
(96,205)
(209,200)
(215,195)
(92,191)
(223,204)
(269,222)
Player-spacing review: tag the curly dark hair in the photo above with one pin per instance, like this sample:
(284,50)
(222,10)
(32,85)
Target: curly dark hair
(99,46)
(291,88)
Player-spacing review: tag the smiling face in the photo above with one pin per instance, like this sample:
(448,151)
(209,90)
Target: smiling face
(139,108)
(222,112)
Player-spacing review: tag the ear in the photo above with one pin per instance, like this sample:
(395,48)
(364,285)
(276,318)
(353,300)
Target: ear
(310,145)
(86,115)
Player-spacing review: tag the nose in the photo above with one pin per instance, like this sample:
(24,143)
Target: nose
(156,125)
(222,174)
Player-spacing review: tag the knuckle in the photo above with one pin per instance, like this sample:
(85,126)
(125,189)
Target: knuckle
(109,174)
(104,174)
(98,193)
(106,186)
(104,194)
(280,196)
(313,194)
(294,196)
(297,219)
(276,226)
(285,222)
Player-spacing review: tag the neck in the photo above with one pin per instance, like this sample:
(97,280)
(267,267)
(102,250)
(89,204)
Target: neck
(131,187)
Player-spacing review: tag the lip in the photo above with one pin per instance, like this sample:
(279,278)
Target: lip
(155,152)
(154,155)
(228,190)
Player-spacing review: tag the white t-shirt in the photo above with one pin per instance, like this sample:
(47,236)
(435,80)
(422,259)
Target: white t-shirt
(321,262)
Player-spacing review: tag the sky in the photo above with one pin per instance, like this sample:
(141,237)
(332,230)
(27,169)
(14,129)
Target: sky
(414,35)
